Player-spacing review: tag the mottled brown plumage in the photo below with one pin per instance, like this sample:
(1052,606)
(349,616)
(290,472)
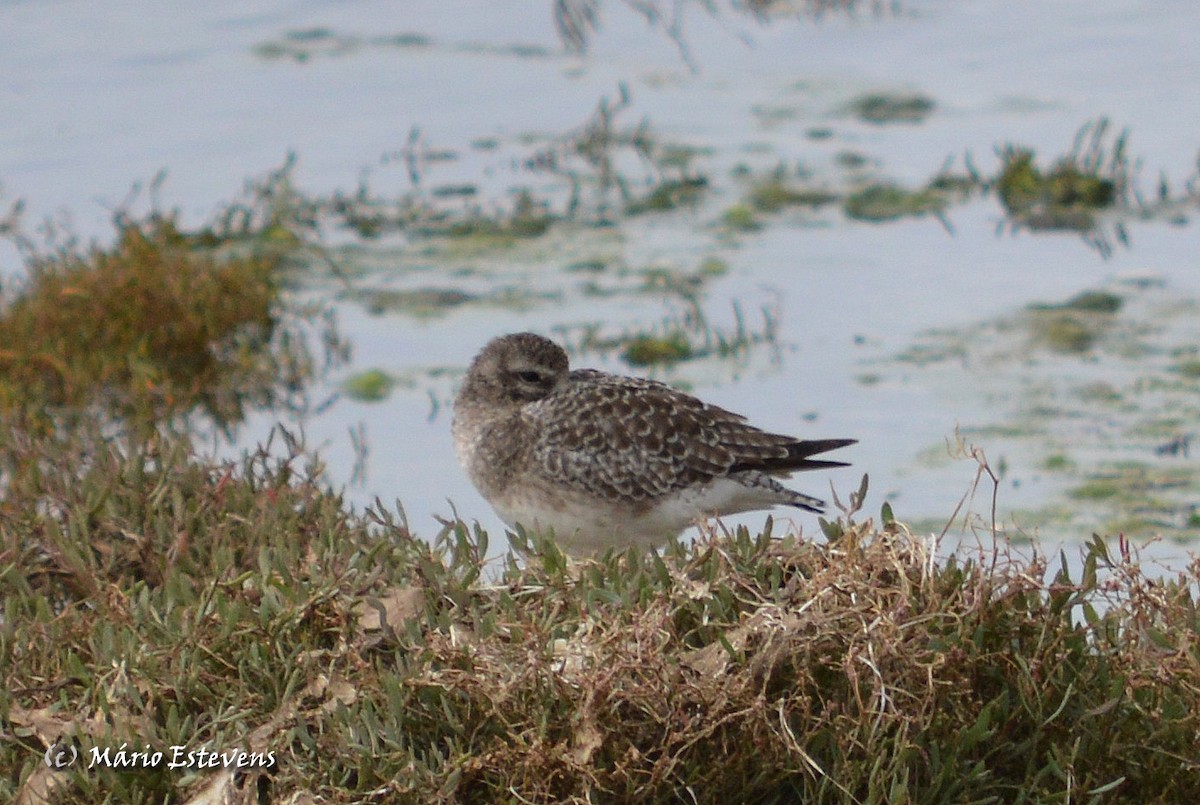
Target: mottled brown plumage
(602,458)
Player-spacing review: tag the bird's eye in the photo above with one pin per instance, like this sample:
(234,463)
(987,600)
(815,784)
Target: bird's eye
(529,377)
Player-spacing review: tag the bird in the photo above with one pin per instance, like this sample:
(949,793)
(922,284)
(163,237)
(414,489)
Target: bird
(601,460)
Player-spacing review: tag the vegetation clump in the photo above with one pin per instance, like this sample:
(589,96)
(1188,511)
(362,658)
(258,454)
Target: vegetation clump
(1064,198)
(307,44)
(529,219)
(712,267)
(1057,463)
(1189,368)
(887,202)
(162,322)
(882,108)
(1065,333)
(419,302)
(369,663)
(651,350)
(669,194)
(740,217)
(685,336)
(588,158)
(851,160)
(1091,302)
(1137,485)
(774,193)
(373,385)
(1075,325)
(1091,177)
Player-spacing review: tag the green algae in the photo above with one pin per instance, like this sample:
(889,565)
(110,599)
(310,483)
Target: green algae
(651,350)
(371,385)
(887,202)
(741,218)
(882,108)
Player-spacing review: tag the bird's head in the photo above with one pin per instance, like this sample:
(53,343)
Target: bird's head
(517,368)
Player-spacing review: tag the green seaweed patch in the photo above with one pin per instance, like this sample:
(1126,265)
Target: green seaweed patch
(301,45)
(307,43)
(1097,489)
(851,160)
(740,217)
(950,346)
(1095,301)
(405,40)
(1069,186)
(1099,391)
(421,302)
(956,184)
(1132,524)
(687,336)
(372,385)
(520,50)
(1066,334)
(1134,483)
(1087,301)
(888,202)
(654,350)
(1189,368)
(1022,186)
(475,236)
(773,194)
(684,283)
(471,233)
(594,265)
(1074,326)
(669,194)
(771,115)
(1058,462)
(464,190)
(935,455)
(1000,431)
(881,108)
(1159,427)
(1068,194)
(500,232)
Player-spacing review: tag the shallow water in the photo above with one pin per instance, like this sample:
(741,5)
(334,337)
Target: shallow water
(98,97)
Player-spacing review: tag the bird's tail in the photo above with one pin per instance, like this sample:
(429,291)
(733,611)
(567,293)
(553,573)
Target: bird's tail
(799,457)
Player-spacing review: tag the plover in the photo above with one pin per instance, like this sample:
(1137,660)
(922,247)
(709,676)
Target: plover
(602,459)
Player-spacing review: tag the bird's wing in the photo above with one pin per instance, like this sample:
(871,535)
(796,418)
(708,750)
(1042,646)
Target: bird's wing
(634,439)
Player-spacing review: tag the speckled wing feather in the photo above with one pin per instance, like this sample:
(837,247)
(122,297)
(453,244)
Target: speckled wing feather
(634,440)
